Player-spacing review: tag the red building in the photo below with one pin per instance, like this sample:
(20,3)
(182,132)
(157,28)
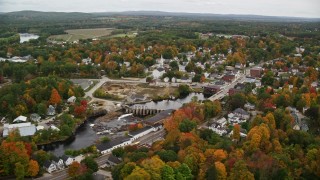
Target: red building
(256,72)
(228,77)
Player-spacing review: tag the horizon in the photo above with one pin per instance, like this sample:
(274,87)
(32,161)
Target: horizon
(170,12)
(277,8)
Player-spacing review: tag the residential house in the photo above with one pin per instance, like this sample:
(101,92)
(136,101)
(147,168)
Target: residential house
(107,147)
(67,160)
(241,113)
(184,80)
(20,119)
(157,73)
(87,60)
(25,129)
(159,118)
(49,166)
(249,106)
(59,162)
(72,99)
(113,161)
(35,117)
(239,66)
(141,132)
(51,110)
(219,127)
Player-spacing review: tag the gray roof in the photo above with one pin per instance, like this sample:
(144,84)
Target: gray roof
(110,144)
(24,131)
(241,111)
(114,159)
(160,116)
(133,133)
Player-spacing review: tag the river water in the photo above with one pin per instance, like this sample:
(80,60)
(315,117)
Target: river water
(86,136)
(25,37)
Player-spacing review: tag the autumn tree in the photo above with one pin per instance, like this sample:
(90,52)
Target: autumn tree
(19,171)
(236,132)
(33,168)
(55,97)
(76,169)
(240,172)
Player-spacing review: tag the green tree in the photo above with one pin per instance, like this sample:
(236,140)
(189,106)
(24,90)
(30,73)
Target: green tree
(19,171)
(118,152)
(237,101)
(167,173)
(187,125)
(184,90)
(90,163)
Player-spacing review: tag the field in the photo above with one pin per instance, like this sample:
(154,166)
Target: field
(76,34)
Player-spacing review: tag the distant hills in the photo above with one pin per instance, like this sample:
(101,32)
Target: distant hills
(38,15)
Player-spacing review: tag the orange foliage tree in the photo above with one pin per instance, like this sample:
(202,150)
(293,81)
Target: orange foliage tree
(55,97)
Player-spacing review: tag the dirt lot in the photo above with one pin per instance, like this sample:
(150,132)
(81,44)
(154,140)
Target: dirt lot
(76,34)
(127,90)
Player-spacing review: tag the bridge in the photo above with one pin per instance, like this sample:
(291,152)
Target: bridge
(141,110)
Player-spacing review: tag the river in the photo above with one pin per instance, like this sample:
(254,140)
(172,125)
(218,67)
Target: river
(25,37)
(86,136)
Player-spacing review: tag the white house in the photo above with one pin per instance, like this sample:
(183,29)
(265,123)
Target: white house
(157,73)
(249,106)
(51,110)
(49,166)
(241,113)
(59,163)
(20,119)
(87,60)
(72,99)
(35,117)
(67,160)
(104,148)
(219,126)
(141,132)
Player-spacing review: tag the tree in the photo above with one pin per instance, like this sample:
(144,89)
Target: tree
(167,173)
(212,173)
(138,174)
(221,170)
(33,168)
(236,132)
(90,163)
(19,171)
(187,125)
(237,100)
(167,155)
(118,152)
(76,169)
(174,65)
(184,90)
(42,109)
(240,171)
(55,97)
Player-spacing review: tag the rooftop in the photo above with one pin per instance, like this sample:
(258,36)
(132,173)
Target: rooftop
(160,116)
(112,143)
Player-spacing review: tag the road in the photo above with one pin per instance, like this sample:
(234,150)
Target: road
(63,174)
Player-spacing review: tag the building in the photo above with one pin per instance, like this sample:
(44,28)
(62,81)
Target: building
(219,126)
(25,129)
(241,113)
(112,161)
(157,73)
(107,147)
(184,80)
(210,90)
(229,77)
(256,72)
(49,166)
(59,162)
(159,118)
(51,110)
(249,106)
(141,132)
(35,117)
(72,99)
(87,60)
(238,88)
(20,119)
(67,160)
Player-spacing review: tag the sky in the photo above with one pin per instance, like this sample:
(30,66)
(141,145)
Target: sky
(292,8)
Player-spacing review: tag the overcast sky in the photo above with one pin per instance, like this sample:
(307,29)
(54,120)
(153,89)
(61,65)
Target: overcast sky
(294,8)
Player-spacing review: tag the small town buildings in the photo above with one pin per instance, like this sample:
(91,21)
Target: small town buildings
(256,72)
(72,99)
(107,147)
(35,117)
(87,60)
(113,161)
(157,73)
(159,118)
(219,127)
(241,113)
(51,110)
(141,132)
(59,162)
(229,78)
(49,166)
(20,119)
(67,160)
(184,80)
(238,88)
(210,90)
(249,106)
(25,129)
